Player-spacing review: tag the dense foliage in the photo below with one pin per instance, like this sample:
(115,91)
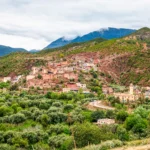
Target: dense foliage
(60,121)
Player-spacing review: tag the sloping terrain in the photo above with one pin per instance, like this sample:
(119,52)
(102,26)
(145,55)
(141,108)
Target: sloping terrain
(17,63)
(123,60)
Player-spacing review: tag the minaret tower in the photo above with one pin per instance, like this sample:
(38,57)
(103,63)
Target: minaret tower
(131,89)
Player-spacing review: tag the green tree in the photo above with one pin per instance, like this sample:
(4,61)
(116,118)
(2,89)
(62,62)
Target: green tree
(122,134)
(5,110)
(122,115)
(86,133)
(4,85)
(32,137)
(136,124)
(142,112)
(110,114)
(68,107)
(39,76)
(44,120)
(99,114)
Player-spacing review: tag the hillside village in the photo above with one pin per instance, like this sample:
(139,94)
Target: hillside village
(64,76)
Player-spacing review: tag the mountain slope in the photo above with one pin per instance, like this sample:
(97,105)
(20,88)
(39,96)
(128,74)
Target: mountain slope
(58,43)
(123,60)
(4,50)
(109,33)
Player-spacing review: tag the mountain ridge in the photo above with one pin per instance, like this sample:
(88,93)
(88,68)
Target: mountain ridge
(5,50)
(108,33)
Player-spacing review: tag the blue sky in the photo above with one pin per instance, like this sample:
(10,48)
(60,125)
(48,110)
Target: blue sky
(33,24)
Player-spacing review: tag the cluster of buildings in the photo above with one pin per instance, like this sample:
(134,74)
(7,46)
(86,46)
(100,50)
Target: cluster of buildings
(133,94)
(63,74)
(12,78)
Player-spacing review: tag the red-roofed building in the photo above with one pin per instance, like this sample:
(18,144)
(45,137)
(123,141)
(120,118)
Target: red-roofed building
(72,87)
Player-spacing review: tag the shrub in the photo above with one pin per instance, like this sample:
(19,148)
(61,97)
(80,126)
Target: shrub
(31,136)
(86,133)
(20,142)
(6,147)
(57,117)
(58,129)
(8,136)
(1,137)
(122,115)
(57,104)
(27,114)
(68,107)
(5,110)
(17,118)
(97,115)
(62,142)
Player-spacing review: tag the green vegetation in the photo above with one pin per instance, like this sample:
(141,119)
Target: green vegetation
(61,121)
(18,63)
(138,62)
(4,85)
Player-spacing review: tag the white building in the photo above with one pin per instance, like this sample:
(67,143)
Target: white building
(83,86)
(6,79)
(35,70)
(66,90)
(30,77)
(105,121)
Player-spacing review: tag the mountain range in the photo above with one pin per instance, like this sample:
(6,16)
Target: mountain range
(4,50)
(108,33)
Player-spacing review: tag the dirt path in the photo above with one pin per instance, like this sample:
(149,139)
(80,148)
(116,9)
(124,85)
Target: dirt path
(141,147)
(100,105)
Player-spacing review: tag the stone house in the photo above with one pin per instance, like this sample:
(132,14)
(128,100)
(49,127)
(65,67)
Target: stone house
(64,63)
(147,94)
(7,79)
(105,121)
(30,77)
(107,90)
(70,76)
(66,90)
(69,69)
(80,85)
(72,87)
(60,71)
(35,70)
(47,76)
(44,70)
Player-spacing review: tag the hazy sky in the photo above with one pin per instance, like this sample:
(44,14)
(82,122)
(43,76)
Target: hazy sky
(33,24)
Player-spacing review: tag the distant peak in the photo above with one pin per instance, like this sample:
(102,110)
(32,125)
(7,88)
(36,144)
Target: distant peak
(103,29)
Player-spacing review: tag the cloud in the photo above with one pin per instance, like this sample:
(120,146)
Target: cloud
(33,24)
